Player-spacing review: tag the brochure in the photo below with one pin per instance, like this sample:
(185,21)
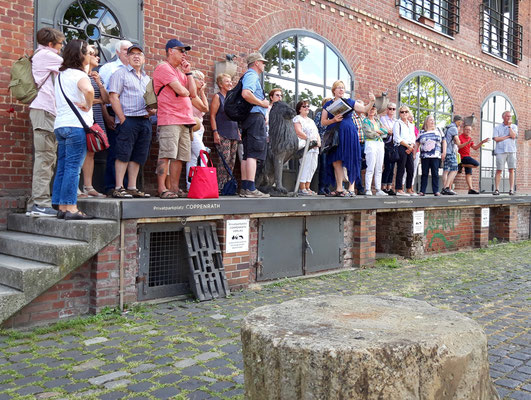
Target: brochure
(338,107)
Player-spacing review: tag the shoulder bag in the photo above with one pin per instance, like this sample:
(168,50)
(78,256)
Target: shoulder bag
(204,179)
(96,137)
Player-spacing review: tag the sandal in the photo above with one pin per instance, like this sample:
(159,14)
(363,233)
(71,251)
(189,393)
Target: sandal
(121,193)
(421,194)
(351,193)
(496,193)
(181,193)
(168,194)
(511,193)
(336,194)
(89,191)
(76,216)
(137,194)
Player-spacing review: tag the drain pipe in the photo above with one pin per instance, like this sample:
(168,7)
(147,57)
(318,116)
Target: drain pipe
(122,263)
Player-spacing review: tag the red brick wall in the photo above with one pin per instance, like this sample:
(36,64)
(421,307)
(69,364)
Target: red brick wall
(447,230)
(398,47)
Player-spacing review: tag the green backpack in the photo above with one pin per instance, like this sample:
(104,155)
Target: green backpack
(22,85)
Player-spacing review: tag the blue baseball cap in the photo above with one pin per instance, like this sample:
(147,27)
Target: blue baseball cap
(176,43)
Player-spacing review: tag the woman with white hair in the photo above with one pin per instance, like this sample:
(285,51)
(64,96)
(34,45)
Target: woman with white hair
(404,138)
(199,108)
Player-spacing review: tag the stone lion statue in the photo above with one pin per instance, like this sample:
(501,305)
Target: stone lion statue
(283,145)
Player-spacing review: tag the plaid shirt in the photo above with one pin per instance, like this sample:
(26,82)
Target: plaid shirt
(359,123)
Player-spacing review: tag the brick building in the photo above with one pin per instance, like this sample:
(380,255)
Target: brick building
(438,56)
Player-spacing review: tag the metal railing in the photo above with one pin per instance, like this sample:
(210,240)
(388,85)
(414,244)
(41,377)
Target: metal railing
(444,14)
(499,34)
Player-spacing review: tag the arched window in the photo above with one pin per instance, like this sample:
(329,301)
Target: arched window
(491,116)
(425,95)
(305,66)
(92,21)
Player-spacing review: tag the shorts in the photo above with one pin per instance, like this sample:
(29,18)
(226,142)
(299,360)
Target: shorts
(502,158)
(254,137)
(174,142)
(450,163)
(470,161)
(133,139)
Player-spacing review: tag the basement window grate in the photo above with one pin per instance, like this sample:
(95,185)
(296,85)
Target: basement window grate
(166,251)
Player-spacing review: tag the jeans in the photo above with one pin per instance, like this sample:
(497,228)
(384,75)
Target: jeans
(406,163)
(71,152)
(388,168)
(430,164)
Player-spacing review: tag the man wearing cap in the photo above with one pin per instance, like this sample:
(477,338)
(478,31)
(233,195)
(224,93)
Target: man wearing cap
(254,134)
(133,130)
(174,80)
(505,135)
(450,162)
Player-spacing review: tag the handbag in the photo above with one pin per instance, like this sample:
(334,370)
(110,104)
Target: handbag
(204,179)
(96,136)
(231,186)
(330,140)
(394,155)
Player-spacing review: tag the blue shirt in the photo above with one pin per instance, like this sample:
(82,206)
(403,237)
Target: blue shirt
(451,132)
(507,145)
(251,81)
(131,89)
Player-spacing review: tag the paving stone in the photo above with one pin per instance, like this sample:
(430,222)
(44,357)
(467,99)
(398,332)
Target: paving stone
(113,367)
(169,379)
(165,393)
(238,379)
(198,395)
(56,373)
(29,370)
(89,373)
(144,367)
(100,380)
(47,395)
(520,396)
(140,387)
(96,340)
(116,384)
(93,363)
(219,386)
(218,362)
(26,390)
(75,387)
(26,380)
(224,371)
(207,356)
(163,360)
(113,395)
(57,383)
(191,384)
(187,362)
(217,316)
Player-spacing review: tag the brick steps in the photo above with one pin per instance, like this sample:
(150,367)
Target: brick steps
(36,253)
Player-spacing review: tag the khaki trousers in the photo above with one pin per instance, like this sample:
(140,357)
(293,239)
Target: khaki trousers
(45,147)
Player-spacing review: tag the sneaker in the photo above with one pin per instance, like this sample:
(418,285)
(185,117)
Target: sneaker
(255,194)
(303,192)
(37,211)
(243,192)
(391,192)
(511,193)
(412,193)
(381,193)
(472,191)
(443,191)
(450,192)
(368,193)
(121,193)
(402,194)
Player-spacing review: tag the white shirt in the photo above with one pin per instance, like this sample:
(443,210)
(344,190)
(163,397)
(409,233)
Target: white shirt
(107,70)
(65,115)
(310,130)
(404,132)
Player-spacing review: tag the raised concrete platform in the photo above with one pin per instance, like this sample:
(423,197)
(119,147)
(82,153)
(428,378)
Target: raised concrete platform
(158,208)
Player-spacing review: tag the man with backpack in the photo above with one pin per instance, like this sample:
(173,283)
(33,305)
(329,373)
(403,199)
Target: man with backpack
(45,67)
(450,162)
(254,134)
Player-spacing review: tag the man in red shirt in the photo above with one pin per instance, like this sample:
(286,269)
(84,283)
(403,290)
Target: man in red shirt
(174,116)
(466,161)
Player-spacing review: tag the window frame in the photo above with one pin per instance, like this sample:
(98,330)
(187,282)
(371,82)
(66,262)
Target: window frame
(417,10)
(416,109)
(500,35)
(303,33)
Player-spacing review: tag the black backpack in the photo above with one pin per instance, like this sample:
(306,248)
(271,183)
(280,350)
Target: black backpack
(235,106)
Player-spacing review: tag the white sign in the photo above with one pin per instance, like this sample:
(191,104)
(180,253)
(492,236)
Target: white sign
(485,217)
(418,222)
(236,235)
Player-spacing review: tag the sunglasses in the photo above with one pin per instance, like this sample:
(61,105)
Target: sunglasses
(181,50)
(403,112)
(305,106)
(392,109)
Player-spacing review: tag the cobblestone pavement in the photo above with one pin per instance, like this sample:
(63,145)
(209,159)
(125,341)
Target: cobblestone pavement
(189,350)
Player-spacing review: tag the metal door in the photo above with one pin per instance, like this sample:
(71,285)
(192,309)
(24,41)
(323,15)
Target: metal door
(324,243)
(280,247)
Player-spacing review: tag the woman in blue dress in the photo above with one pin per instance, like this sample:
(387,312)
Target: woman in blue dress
(347,154)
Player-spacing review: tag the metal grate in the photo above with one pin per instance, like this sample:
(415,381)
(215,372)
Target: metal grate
(442,15)
(499,34)
(162,265)
(166,252)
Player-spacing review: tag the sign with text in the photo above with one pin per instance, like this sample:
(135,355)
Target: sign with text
(236,235)
(418,222)
(485,217)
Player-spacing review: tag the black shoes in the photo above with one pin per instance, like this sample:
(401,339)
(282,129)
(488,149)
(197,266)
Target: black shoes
(472,191)
(77,216)
(448,192)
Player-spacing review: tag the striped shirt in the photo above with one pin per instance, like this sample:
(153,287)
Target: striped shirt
(126,83)
(96,108)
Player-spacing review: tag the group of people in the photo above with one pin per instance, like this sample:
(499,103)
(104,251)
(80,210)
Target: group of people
(72,94)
